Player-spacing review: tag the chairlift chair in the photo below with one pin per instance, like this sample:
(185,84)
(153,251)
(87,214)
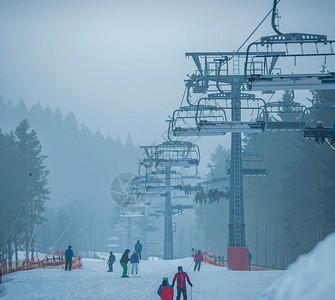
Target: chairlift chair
(320,134)
(253,164)
(166,181)
(216,118)
(177,154)
(267,61)
(283,116)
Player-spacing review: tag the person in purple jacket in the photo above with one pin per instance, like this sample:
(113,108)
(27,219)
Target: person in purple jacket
(197,260)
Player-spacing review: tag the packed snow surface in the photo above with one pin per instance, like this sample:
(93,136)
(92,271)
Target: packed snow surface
(94,282)
(312,276)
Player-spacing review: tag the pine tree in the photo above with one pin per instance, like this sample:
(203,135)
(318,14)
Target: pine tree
(36,193)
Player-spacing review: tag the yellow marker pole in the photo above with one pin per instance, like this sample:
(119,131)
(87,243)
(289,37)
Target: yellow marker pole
(330,144)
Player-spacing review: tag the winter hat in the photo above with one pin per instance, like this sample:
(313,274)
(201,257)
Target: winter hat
(127,250)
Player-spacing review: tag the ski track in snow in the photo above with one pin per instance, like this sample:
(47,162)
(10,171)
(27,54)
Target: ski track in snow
(94,282)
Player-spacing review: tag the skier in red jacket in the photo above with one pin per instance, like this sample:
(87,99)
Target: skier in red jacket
(165,290)
(181,278)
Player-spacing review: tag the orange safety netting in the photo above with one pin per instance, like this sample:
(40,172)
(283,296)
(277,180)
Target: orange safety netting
(55,260)
(211,259)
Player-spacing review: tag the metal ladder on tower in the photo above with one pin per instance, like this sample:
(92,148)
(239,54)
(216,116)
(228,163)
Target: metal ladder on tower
(237,162)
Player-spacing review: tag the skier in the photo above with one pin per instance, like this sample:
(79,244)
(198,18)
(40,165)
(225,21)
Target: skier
(250,258)
(138,249)
(111,261)
(198,259)
(124,263)
(68,258)
(134,262)
(181,276)
(165,290)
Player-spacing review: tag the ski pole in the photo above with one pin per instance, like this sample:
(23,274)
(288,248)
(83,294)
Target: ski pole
(190,265)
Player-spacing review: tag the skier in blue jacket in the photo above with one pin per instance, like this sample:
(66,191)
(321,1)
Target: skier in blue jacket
(134,262)
(68,258)
(138,249)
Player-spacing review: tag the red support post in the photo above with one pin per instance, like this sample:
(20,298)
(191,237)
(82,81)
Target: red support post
(238,258)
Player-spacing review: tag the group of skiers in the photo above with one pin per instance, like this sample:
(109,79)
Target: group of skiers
(134,260)
(165,290)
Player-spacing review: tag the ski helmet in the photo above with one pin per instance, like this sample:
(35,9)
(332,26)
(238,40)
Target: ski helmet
(180,268)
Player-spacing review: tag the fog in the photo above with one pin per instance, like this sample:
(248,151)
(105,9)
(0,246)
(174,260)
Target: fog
(118,68)
(120,65)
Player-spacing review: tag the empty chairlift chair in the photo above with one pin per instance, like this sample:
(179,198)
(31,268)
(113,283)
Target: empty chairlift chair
(214,113)
(165,181)
(290,61)
(253,164)
(177,154)
(285,116)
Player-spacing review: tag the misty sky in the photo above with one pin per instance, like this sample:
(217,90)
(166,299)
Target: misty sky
(120,65)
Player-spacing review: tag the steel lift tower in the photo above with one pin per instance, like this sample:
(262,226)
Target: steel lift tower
(266,69)
(163,157)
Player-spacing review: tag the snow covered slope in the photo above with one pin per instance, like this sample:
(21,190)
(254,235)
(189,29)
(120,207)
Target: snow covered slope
(94,282)
(312,276)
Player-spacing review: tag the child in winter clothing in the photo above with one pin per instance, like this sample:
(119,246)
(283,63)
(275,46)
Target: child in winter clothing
(111,261)
(134,263)
(165,290)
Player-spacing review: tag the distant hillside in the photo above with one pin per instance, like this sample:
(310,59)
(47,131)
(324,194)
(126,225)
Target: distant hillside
(82,164)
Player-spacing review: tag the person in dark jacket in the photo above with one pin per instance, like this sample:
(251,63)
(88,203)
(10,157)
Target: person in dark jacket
(138,249)
(111,261)
(124,263)
(181,278)
(165,290)
(68,258)
(250,258)
(134,262)
(198,259)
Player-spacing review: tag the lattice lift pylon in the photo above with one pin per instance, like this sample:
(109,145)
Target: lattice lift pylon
(263,71)
(163,157)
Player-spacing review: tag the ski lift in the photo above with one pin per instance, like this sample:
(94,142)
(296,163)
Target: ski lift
(320,134)
(253,164)
(216,119)
(183,122)
(273,69)
(165,181)
(177,154)
(284,116)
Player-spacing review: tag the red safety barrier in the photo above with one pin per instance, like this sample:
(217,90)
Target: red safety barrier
(238,258)
(55,260)
(211,259)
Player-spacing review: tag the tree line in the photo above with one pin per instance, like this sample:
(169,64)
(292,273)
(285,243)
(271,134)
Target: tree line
(23,189)
(82,166)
